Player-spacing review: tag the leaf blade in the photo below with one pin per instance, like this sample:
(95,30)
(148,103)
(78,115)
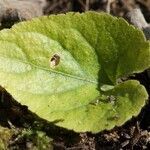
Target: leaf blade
(90,55)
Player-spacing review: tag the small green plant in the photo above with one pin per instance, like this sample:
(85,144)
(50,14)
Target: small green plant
(67,67)
(5,136)
(35,140)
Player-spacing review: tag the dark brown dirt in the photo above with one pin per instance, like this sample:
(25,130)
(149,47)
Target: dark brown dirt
(135,134)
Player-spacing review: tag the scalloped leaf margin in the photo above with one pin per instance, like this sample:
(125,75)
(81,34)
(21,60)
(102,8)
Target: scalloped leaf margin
(59,65)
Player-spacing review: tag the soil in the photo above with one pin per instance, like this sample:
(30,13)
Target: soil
(26,131)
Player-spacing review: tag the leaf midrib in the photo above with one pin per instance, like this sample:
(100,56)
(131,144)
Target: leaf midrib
(54,71)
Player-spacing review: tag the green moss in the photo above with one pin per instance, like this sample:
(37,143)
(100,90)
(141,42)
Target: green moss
(5,136)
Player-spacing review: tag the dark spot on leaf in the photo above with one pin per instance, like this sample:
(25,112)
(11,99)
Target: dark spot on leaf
(111,99)
(57,121)
(116,117)
(54,60)
(96,102)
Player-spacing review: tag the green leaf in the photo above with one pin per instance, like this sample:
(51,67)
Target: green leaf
(66,67)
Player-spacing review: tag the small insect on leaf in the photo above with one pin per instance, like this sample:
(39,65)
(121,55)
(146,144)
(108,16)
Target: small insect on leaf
(54,61)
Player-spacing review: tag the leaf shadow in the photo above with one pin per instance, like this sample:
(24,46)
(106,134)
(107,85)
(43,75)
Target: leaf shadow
(12,112)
